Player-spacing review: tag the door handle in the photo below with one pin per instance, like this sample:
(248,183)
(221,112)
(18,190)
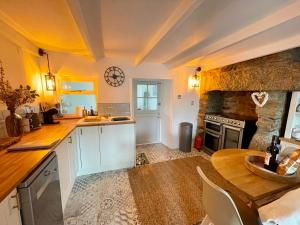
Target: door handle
(70,140)
(17,197)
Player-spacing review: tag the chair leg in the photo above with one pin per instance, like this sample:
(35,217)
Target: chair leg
(206,221)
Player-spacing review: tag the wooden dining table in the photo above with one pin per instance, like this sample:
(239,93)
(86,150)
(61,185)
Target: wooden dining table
(230,164)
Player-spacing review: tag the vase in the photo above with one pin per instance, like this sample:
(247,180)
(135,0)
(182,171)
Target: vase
(13,124)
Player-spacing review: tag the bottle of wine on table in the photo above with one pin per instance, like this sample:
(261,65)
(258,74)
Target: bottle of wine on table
(272,154)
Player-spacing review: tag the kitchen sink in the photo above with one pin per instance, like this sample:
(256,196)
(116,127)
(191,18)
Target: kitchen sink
(92,119)
(120,118)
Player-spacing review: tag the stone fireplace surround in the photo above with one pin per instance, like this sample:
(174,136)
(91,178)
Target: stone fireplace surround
(228,90)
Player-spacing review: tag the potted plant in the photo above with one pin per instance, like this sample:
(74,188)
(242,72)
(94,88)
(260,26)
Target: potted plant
(13,98)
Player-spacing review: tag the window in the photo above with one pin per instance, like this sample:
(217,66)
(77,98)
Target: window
(77,92)
(147,97)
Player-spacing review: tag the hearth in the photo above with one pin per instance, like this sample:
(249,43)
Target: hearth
(224,131)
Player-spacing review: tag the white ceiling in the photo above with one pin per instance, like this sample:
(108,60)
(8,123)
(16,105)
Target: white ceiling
(209,33)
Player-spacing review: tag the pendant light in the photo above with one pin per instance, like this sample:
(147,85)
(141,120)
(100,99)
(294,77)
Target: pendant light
(49,77)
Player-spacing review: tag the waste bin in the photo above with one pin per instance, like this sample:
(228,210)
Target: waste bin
(185,137)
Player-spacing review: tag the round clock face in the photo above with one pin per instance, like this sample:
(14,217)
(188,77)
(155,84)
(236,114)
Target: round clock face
(114,76)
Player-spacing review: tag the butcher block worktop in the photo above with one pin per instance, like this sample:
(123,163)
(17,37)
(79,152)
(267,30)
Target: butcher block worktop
(16,166)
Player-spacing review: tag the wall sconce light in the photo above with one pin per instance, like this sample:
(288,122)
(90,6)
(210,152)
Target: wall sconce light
(195,80)
(49,77)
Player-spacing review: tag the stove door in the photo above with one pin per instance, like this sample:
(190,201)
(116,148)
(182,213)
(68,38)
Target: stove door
(213,127)
(212,142)
(232,137)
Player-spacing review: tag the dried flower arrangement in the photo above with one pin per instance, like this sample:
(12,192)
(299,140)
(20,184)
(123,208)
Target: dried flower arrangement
(13,98)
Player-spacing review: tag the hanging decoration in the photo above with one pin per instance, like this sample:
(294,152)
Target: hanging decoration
(260,98)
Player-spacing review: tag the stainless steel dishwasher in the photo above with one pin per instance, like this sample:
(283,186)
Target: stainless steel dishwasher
(40,198)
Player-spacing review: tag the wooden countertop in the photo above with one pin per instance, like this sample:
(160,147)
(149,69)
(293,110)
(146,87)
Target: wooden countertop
(104,122)
(16,166)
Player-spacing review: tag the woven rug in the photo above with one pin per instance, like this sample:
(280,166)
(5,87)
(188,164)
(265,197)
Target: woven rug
(170,192)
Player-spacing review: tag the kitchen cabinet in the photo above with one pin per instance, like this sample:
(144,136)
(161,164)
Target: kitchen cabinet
(73,154)
(88,150)
(117,146)
(10,210)
(106,147)
(66,155)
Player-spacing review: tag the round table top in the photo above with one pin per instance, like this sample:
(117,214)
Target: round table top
(230,163)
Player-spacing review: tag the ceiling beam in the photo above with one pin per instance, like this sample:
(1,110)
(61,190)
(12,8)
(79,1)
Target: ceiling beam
(88,19)
(178,16)
(197,51)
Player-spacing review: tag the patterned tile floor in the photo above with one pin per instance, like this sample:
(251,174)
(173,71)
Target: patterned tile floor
(106,198)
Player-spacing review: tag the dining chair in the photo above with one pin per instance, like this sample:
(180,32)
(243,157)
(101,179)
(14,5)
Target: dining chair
(221,208)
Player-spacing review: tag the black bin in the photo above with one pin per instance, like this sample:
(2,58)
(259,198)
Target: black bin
(185,137)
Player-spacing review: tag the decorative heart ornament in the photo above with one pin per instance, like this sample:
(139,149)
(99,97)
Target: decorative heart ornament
(260,98)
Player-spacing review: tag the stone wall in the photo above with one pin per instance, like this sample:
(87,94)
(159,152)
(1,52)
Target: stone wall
(269,120)
(277,74)
(231,102)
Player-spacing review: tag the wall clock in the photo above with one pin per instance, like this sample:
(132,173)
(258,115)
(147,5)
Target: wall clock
(114,76)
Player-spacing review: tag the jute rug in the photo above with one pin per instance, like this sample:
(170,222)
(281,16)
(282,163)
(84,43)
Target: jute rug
(171,192)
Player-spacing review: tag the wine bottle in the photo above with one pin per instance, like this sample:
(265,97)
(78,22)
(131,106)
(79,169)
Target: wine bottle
(272,154)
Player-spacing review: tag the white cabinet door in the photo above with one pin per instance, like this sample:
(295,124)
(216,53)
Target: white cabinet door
(72,155)
(9,210)
(117,145)
(63,158)
(89,150)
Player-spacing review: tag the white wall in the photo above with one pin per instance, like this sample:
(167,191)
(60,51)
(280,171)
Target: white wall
(174,111)
(166,113)
(184,109)
(66,64)
(20,66)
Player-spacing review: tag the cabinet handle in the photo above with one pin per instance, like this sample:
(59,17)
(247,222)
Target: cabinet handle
(101,130)
(80,131)
(70,140)
(17,197)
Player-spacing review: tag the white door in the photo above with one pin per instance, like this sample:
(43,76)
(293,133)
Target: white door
(89,150)
(117,145)
(147,111)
